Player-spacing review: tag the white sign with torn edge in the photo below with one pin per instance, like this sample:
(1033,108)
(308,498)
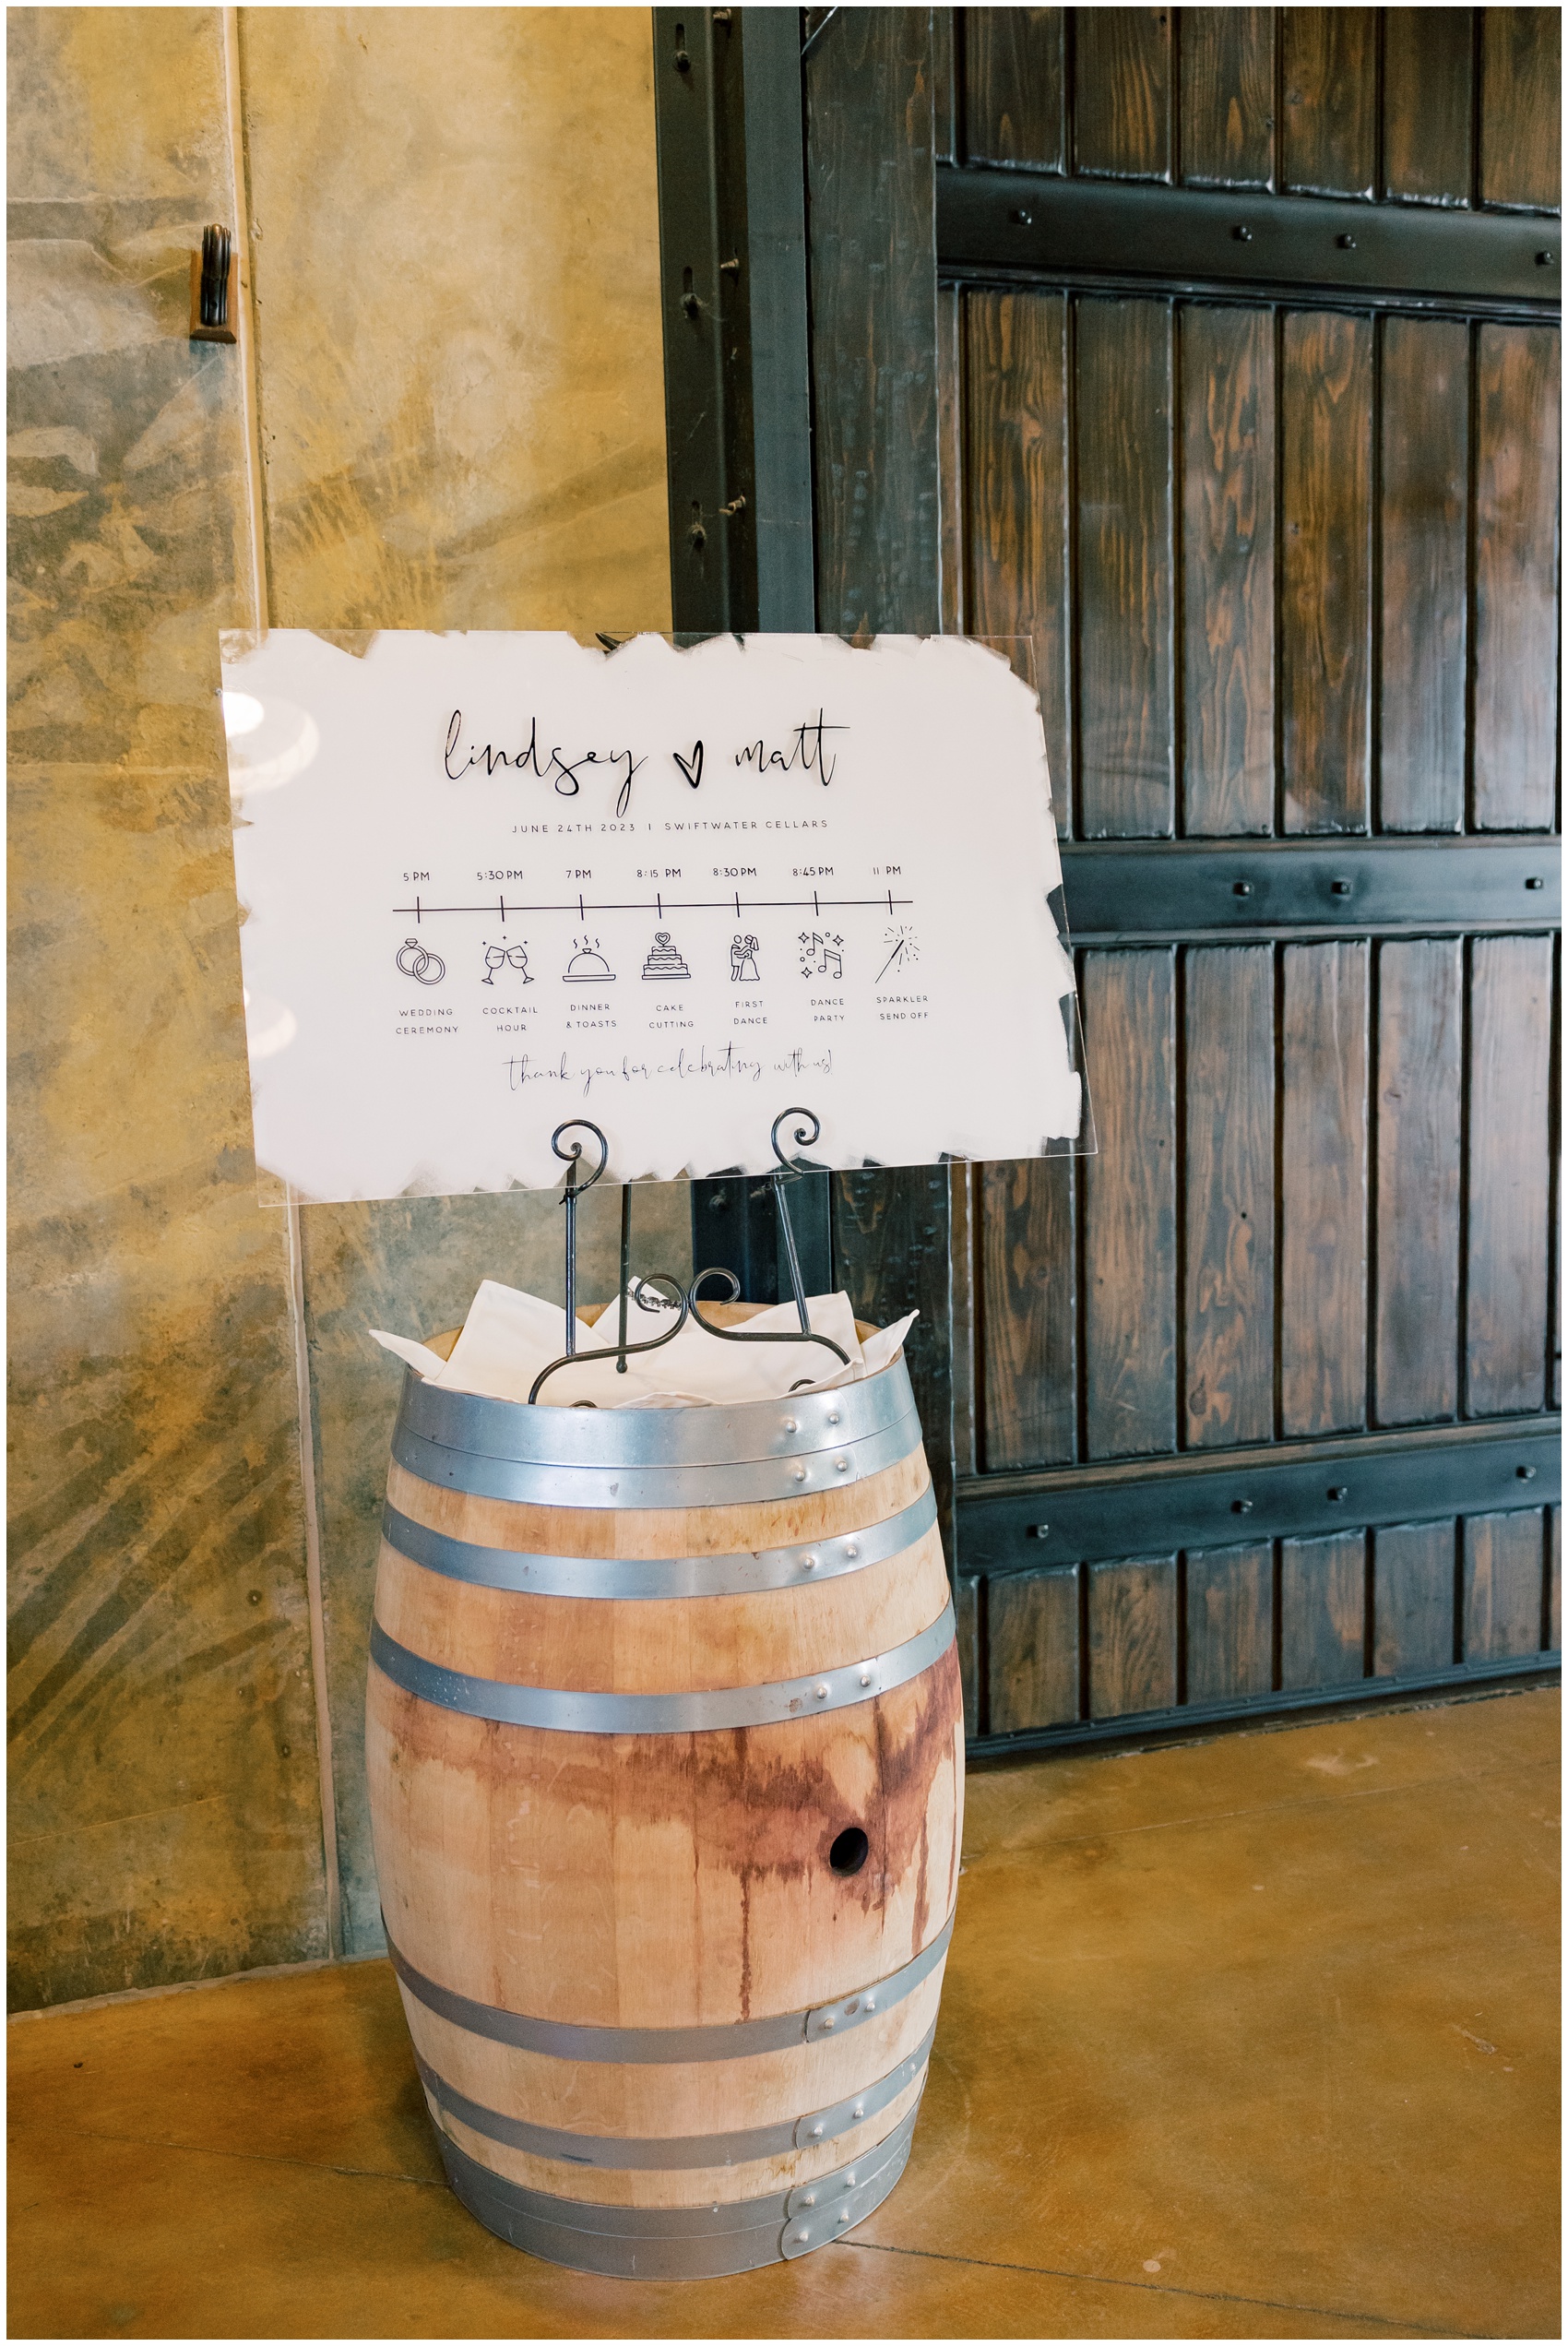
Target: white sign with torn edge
(493,882)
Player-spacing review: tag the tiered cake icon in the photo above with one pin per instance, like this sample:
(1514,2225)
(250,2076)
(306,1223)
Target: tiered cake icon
(664,964)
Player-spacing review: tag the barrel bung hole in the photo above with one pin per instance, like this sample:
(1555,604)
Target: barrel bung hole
(850,1851)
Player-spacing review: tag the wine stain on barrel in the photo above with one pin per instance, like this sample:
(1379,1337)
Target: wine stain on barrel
(762,1807)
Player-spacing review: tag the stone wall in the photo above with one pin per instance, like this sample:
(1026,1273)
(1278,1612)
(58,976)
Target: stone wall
(451,290)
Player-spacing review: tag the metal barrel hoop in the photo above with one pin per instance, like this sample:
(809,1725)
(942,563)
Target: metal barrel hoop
(697,1485)
(631,1577)
(563,1710)
(679,2244)
(708,2041)
(476,1425)
(643,2152)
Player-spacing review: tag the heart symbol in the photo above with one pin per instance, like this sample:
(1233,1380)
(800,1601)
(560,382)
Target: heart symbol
(693,771)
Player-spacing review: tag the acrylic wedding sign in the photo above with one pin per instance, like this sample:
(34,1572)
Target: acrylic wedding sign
(492,882)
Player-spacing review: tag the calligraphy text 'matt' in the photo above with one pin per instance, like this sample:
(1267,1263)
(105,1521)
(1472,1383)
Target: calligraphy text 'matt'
(566,773)
(808,750)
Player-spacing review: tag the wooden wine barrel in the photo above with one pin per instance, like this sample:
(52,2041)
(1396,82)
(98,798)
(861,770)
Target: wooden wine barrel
(665,1748)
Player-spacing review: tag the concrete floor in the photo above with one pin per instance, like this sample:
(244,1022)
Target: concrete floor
(1249,2039)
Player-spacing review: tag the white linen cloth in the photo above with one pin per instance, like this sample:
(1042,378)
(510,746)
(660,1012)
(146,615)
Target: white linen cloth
(508,1337)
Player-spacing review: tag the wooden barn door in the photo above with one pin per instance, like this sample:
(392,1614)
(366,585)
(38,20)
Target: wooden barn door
(1215,353)
(1271,479)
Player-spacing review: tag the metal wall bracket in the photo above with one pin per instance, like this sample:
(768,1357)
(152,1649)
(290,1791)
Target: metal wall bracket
(1126,889)
(215,287)
(1050,226)
(1183,1722)
(1299,1490)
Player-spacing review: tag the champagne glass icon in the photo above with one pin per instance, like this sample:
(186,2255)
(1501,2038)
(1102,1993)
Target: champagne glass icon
(498,957)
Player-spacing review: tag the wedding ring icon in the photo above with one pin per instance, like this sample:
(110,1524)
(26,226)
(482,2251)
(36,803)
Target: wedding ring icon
(417,962)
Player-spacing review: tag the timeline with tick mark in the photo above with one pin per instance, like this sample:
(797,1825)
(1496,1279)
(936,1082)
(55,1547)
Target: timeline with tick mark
(490,881)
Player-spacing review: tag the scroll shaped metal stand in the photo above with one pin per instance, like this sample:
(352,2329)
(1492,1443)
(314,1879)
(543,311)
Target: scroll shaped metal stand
(791,1169)
(674,1300)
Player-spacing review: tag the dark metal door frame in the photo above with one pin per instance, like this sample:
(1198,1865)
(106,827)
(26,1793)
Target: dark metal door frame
(736,392)
(775,141)
(737,387)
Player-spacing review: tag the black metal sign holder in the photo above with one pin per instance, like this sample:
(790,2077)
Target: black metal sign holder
(659,1292)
